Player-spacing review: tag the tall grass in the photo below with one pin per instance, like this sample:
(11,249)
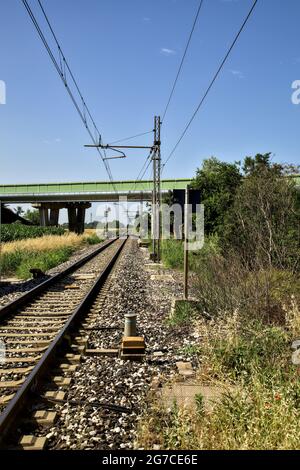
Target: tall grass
(18,257)
(173,252)
(261,407)
(45,243)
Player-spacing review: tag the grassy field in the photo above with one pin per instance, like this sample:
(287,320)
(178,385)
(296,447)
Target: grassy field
(45,252)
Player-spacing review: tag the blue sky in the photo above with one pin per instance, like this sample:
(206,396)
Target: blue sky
(124,54)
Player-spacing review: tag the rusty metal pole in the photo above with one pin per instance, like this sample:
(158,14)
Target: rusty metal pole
(186,252)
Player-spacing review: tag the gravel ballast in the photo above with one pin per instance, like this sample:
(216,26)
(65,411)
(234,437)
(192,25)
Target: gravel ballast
(88,418)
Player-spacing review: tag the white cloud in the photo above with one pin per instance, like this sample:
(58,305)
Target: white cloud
(237,73)
(54,141)
(166,51)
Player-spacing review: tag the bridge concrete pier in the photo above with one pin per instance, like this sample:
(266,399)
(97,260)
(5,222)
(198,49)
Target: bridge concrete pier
(54,216)
(44,216)
(49,214)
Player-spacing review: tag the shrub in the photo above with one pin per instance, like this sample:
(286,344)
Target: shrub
(93,239)
(172,253)
(262,227)
(218,182)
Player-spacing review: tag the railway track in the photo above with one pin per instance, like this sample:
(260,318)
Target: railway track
(44,333)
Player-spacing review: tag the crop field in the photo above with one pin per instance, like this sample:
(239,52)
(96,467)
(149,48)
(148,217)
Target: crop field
(14,232)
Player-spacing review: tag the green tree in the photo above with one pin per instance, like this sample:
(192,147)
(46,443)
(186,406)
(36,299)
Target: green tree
(19,210)
(262,226)
(218,183)
(33,216)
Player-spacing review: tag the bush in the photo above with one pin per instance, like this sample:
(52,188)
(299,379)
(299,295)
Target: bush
(218,182)
(172,253)
(93,239)
(262,227)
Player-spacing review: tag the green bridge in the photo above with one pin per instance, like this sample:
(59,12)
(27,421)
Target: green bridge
(49,198)
(85,192)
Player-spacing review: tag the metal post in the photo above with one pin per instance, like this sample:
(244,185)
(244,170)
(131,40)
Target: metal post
(130,324)
(186,252)
(0,239)
(156,190)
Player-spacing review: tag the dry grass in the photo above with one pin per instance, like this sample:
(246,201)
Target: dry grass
(45,243)
(19,257)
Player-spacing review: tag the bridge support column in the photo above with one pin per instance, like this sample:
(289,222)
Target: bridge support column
(72,216)
(44,216)
(80,220)
(76,215)
(54,216)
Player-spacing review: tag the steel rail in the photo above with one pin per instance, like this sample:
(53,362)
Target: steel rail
(29,296)
(17,406)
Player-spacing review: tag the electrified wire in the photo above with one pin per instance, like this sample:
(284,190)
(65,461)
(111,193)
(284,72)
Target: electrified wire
(61,70)
(129,138)
(67,65)
(182,60)
(212,82)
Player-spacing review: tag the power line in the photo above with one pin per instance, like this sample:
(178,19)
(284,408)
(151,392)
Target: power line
(62,69)
(183,58)
(212,82)
(143,169)
(132,137)
(67,65)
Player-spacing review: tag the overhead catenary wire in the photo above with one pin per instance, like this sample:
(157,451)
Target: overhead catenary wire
(183,59)
(65,63)
(61,69)
(131,137)
(212,82)
(143,169)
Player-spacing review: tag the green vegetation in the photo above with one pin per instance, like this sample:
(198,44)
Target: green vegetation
(172,253)
(45,252)
(184,312)
(93,239)
(246,280)
(33,216)
(20,262)
(218,182)
(12,232)
(250,363)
